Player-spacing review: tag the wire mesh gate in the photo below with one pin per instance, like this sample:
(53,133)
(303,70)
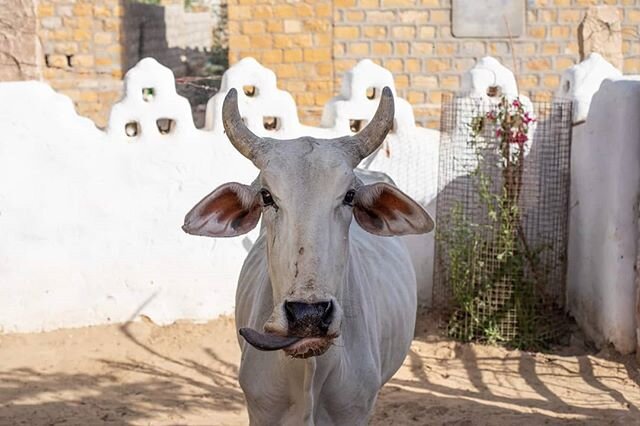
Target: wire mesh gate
(502,213)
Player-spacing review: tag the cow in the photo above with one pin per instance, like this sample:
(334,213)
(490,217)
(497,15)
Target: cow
(325,305)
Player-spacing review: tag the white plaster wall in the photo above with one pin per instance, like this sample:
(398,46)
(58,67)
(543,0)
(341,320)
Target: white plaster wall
(90,220)
(90,223)
(603,222)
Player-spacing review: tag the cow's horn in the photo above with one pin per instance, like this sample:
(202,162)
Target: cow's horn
(372,136)
(243,139)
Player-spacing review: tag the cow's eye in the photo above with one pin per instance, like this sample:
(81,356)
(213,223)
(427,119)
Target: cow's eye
(267,199)
(348,197)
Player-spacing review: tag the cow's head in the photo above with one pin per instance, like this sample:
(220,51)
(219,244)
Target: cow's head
(307,194)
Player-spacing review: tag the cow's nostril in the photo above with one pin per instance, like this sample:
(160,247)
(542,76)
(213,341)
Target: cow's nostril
(290,311)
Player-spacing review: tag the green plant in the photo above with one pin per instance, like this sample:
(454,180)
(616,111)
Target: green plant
(495,276)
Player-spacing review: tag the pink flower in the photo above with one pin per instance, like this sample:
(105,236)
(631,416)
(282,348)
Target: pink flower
(491,115)
(498,133)
(516,103)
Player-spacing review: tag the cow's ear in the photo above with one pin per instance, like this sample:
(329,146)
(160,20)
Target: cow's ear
(230,210)
(383,209)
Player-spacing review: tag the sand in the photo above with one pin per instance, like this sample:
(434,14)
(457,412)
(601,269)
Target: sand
(185,374)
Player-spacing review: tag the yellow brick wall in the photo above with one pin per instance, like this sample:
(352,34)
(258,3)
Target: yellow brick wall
(413,39)
(81,48)
(309,44)
(294,39)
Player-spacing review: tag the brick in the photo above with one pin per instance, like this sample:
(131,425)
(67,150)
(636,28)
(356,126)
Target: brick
(450,82)
(45,10)
(551,81)
(87,96)
(103,38)
(101,11)
(303,10)
(369,3)
(260,41)
(437,65)
(317,25)
(440,16)
(375,31)
(547,16)
(104,61)
(324,69)
(472,48)
(292,26)
(415,97)
(427,32)
(382,48)
(57,61)
(83,9)
(344,3)
(237,41)
(402,81)
(414,17)
(570,15)
(323,39)
(82,61)
(360,49)
(272,56)
(51,23)
(528,81)
(338,49)
(401,48)
(421,48)
(261,12)
(346,33)
(240,12)
(404,32)
(562,64)
(434,97)
(380,16)
(355,16)
(445,48)
(540,64)
(536,32)
(632,15)
(398,3)
(526,48)
(253,27)
(82,35)
(343,65)
(292,55)
(412,65)
(284,11)
(631,65)
(393,65)
(323,10)
(274,26)
(424,81)
(550,49)
(317,54)
(560,32)
(66,48)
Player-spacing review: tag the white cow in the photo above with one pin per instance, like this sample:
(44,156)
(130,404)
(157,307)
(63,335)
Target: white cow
(326,305)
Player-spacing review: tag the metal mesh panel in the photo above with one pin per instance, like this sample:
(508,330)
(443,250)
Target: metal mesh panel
(502,282)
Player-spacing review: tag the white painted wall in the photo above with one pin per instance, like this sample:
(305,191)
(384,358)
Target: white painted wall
(90,223)
(90,220)
(603,228)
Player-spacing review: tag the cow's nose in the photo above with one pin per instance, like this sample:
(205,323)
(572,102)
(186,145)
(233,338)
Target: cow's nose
(308,319)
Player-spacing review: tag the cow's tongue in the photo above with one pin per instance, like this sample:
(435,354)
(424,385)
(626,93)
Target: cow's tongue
(267,342)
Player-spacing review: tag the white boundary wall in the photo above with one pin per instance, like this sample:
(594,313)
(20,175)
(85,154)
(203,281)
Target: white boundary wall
(90,221)
(605,191)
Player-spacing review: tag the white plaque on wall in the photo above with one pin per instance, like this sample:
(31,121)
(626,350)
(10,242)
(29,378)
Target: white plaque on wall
(488,18)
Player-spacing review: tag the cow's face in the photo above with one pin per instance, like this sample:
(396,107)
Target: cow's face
(307,194)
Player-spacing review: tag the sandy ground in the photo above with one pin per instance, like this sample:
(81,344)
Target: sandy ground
(185,374)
